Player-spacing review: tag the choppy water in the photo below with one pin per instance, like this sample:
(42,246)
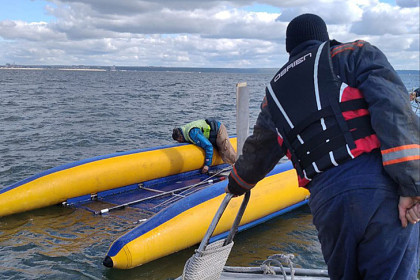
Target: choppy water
(49,118)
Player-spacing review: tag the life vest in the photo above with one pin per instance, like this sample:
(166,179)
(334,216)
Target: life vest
(213,130)
(320,121)
(208,128)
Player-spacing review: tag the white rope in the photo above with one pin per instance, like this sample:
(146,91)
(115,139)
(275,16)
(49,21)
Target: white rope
(207,265)
(277,259)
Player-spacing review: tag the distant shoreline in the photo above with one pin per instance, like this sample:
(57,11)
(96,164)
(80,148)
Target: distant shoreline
(60,69)
(153,68)
(139,68)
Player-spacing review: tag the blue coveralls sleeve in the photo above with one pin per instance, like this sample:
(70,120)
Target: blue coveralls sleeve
(200,140)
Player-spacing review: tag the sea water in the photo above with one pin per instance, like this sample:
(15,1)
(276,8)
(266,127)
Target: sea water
(51,117)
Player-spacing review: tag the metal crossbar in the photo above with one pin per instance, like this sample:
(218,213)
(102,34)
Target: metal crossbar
(172,199)
(161,194)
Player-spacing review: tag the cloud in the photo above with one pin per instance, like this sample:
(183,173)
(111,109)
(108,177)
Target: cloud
(196,33)
(33,31)
(408,3)
(384,19)
(333,12)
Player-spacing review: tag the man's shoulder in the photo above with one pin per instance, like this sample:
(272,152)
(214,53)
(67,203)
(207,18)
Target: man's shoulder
(338,47)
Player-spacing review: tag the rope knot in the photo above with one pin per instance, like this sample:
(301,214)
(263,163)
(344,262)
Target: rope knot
(277,260)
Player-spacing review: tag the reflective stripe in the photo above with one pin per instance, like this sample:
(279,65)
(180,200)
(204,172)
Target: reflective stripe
(401,154)
(343,86)
(304,172)
(318,100)
(318,54)
(349,151)
(333,159)
(240,181)
(270,90)
(409,158)
(306,177)
(300,139)
(278,133)
(315,167)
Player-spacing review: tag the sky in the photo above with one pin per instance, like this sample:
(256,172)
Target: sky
(194,33)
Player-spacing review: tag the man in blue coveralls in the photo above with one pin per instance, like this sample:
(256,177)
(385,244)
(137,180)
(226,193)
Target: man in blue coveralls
(206,134)
(341,113)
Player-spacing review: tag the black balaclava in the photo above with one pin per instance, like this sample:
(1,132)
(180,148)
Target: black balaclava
(303,28)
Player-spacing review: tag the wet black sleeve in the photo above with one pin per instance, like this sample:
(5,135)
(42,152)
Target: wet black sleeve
(365,67)
(260,153)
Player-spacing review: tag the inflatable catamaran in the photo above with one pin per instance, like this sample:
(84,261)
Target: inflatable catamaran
(164,187)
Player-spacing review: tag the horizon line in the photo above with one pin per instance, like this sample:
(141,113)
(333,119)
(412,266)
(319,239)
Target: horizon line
(123,67)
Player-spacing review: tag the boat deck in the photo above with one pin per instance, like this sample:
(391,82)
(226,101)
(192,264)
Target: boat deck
(230,272)
(148,198)
(238,273)
(239,276)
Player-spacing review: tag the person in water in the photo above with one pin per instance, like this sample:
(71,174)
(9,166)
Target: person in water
(207,134)
(340,112)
